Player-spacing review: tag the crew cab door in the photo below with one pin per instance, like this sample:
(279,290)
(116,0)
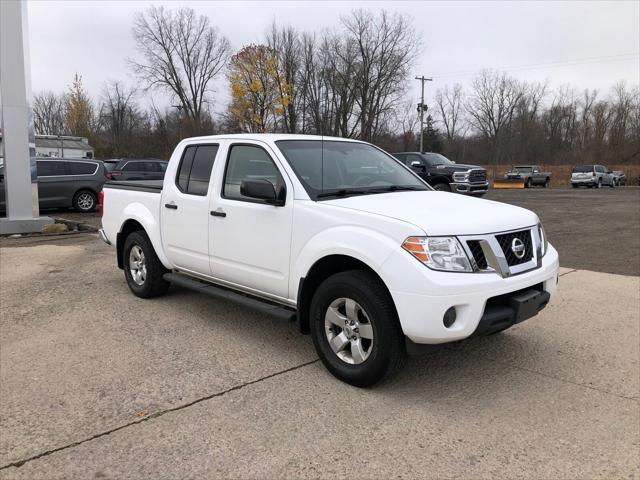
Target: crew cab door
(184,209)
(250,239)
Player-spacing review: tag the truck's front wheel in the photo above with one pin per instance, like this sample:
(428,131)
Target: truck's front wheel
(355,329)
(142,268)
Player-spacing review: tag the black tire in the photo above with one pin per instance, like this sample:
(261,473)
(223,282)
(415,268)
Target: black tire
(613,184)
(527,183)
(574,185)
(599,185)
(442,187)
(153,285)
(547,182)
(85,201)
(387,353)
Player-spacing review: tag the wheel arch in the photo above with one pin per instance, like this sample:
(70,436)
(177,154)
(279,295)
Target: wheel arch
(322,269)
(135,223)
(439,179)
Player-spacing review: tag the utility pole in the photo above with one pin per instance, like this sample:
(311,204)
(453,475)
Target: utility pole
(421,109)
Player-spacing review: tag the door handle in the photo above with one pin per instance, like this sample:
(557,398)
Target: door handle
(172,206)
(218,213)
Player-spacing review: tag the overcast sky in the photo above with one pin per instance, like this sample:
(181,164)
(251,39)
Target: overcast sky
(583,44)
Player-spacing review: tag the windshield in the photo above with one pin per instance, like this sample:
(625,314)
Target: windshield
(110,166)
(522,169)
(333,168)
(583,169)
(434,159)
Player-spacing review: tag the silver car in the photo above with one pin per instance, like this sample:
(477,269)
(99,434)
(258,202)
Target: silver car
(592,176)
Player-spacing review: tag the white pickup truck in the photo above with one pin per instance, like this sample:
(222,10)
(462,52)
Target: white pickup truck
(336,235)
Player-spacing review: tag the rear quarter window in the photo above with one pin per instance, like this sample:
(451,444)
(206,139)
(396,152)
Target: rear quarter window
(80,168)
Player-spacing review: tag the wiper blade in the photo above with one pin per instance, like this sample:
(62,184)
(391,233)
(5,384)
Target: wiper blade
(341,193)
(395,188)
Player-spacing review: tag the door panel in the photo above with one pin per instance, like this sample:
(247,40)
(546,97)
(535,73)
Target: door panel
(184,210)
(52,184)
(250,244)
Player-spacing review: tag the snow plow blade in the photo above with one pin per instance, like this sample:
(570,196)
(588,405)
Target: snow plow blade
(508,183)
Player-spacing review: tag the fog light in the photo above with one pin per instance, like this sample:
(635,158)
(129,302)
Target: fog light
(449,317)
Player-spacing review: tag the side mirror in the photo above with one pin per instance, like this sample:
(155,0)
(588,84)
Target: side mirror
(261,189)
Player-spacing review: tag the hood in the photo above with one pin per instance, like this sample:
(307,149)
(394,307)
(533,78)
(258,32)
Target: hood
(442,213)
(458,167)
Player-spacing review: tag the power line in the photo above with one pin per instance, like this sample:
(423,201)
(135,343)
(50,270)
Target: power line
(556,64)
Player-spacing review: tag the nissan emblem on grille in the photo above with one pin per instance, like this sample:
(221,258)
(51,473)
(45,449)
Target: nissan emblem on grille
(517,247)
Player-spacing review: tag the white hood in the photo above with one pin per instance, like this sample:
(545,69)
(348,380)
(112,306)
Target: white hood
(442,213)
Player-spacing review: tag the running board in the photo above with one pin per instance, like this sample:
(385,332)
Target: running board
(254,303)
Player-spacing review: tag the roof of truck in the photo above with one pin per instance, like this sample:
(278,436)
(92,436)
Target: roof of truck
(273,137)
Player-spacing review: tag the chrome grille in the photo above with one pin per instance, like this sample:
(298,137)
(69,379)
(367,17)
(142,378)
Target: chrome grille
(506,240)
(478,175)
(478,254)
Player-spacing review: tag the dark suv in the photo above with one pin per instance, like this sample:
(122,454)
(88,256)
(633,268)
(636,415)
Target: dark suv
(445,175)
(136,169)
(65,182)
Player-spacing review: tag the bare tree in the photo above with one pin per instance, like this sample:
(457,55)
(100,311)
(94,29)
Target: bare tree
(285,43)
(492,107)
(182,53)
(119,116)
(406,123)
(449,103)
(387,46)
(49,113)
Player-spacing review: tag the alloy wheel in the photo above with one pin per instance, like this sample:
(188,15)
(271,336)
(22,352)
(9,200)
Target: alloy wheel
(137,265)
(85,201)
(349,331)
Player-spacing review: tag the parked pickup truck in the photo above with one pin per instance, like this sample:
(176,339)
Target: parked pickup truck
(336,235)
(445,175)
(530,174)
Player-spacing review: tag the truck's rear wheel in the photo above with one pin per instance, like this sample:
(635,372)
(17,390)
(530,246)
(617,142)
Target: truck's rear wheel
(142,268)
(355,329)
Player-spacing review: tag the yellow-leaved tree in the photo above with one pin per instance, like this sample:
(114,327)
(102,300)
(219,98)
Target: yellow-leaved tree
(258,90)
(79,109)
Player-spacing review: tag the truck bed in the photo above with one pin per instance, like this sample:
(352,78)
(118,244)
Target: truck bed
(153,186)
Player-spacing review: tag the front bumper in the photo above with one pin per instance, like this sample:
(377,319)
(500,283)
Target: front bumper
(422,296)
(470,188)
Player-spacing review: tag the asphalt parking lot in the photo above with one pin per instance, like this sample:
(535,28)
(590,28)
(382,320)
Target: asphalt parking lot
(96,383)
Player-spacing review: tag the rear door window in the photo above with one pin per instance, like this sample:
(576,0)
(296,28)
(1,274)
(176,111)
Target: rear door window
(195,168)
(50,168)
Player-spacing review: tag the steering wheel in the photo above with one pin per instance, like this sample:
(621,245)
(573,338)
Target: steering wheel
(362,181)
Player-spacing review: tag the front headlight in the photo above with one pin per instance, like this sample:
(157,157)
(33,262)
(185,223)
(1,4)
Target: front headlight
(543,239)
(439,253)
(461,176)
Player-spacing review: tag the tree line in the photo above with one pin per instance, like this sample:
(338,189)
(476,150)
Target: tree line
(350,81)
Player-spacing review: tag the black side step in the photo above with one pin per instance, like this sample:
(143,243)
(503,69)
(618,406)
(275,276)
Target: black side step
(254,303)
